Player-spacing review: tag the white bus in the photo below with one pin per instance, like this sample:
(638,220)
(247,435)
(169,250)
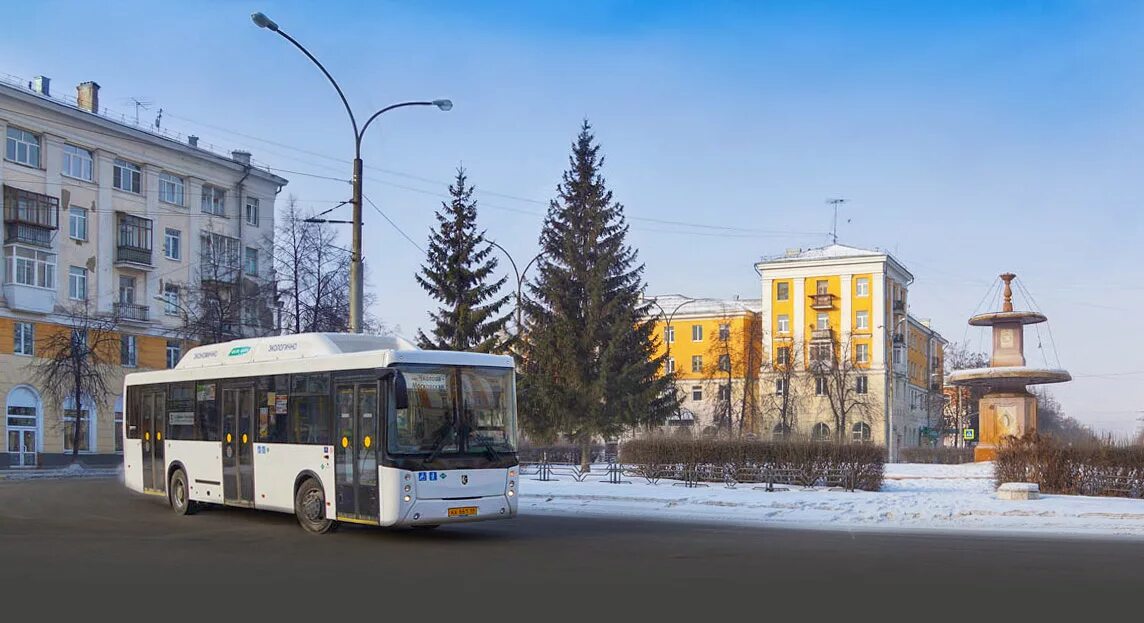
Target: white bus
(331,427)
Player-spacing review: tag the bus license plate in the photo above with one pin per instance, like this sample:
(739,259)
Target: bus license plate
(463,511)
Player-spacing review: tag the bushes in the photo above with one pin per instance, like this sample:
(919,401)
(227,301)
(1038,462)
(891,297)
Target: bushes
(943,455)
(1086,469)
(856,465)
(558,453)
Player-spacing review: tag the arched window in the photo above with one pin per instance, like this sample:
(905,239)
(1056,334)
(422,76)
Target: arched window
(860,432)
(780,432)
(22,416)
(86,424)
(820,432)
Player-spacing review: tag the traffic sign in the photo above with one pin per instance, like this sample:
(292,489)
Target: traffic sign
(968,433)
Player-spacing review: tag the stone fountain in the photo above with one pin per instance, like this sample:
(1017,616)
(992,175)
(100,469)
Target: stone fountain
(1007,408)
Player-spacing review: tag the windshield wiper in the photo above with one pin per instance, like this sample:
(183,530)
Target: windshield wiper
(484,443)
(439,445)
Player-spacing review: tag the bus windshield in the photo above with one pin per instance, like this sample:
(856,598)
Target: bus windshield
(454,410)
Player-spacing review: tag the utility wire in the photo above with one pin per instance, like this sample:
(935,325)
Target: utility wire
(395,226)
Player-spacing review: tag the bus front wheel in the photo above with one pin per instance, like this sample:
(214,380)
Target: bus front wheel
(310,507)
(179,494)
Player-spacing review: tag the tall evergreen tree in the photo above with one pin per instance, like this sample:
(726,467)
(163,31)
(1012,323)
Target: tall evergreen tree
(458,272)
(589,367)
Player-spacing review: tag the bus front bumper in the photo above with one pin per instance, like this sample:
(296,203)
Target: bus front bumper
(430,512)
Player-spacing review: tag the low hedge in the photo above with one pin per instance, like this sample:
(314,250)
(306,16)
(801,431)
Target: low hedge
(943,455)
(559,453)
(862,464)
(1086,469)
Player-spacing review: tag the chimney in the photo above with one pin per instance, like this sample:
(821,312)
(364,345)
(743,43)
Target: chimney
(87,97)
(42,85)
(241,157)
(193,140)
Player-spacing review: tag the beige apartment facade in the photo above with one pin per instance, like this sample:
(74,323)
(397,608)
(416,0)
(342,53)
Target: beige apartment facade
(126,223)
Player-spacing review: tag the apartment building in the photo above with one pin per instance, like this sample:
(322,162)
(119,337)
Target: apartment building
(713,347)
(126,223)
(839,338)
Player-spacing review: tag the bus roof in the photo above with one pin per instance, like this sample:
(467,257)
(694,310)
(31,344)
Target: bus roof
(309,352)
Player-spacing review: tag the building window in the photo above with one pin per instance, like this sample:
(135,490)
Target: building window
(126,290)
(724,393)
(784,356)
(862,287)
(669,334)
(784,323)
(780,387)
(860,433)
(724,363)
(127,350)
(697,392)
(78,163)
(23,147)
(696,333)
(219,256)
(252,211)
(70,424)
(77,223)
(171,299)
(861,385)
(822,286)
(862,353)
(820,432)
(25,334)
(30,267)
(669,365)
(862,321)
(173,244)
(821,385)
(779,432)
(251,267)
(135,233)
(171,189)
(119,427)
(174,353)
(782,291)
(214,200)
(77,283)
(128,176)
(821,353)
(724,332)
(697,363)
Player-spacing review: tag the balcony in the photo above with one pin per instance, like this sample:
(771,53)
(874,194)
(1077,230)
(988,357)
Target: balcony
(132,312)
(135,257)
(30,218)
(822,335)
(30,298)
(899,338)
(822,301)
(899,306)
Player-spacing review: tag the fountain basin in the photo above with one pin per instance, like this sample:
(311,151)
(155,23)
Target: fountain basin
(1007,376)
(1021,317)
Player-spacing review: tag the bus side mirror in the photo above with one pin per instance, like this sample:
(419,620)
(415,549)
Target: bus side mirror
(400,394)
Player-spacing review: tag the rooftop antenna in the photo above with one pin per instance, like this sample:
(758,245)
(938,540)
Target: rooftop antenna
(140,103)
(158,118)
(835,202)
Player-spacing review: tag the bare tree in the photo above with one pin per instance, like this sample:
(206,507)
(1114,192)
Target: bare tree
(224,303)
(961,410)
(313,276)
(780,387)
(730,369)
(835,364)
(74,363)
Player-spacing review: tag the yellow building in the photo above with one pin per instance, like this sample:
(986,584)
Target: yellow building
(714,349)
(840,340)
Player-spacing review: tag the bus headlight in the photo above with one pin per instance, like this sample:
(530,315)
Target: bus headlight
(511,493)
(512,473)
(408,488)
(407,498)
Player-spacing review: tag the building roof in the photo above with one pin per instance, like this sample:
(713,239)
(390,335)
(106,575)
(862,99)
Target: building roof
(679,306)
(832,252)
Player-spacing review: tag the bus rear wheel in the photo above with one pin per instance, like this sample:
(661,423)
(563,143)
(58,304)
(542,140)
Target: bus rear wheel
(179,494)
(310,507)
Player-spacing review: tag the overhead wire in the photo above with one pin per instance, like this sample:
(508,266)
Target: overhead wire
(394,225)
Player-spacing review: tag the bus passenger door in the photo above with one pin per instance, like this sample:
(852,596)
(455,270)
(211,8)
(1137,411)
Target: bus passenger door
(355,450)
(152,419)
(238,445)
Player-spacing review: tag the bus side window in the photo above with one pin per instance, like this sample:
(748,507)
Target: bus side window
(132,403)
(207,422)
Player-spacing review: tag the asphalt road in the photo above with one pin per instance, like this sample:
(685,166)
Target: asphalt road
(118,547)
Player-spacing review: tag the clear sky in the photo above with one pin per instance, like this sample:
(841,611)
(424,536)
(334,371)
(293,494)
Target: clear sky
(968,138)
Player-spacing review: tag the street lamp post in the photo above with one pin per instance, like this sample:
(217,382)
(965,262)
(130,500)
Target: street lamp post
(519,279)
(356,274)
(667,324)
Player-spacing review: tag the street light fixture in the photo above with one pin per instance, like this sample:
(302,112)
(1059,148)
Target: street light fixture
(519,279)
(356,274)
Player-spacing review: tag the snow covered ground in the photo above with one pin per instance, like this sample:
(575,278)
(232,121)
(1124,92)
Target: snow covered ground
(914,496)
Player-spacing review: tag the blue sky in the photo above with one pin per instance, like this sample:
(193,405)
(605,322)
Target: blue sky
(968,138)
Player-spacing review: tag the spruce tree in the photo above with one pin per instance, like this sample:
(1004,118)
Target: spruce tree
(589,367)
(458,272)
